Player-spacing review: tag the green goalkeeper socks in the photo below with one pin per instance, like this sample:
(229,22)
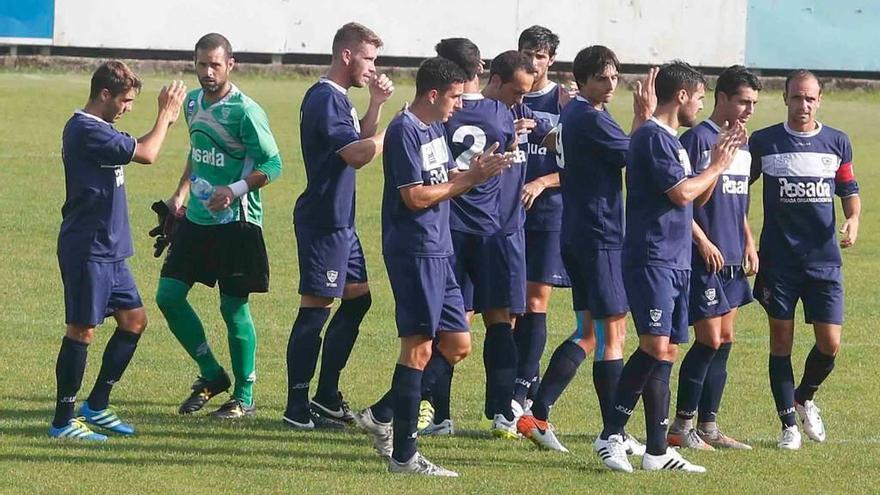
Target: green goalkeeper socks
(242,345)
(186,326)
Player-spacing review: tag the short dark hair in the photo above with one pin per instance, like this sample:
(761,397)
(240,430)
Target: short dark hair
(213,41)
(591,61)
(506,64)
(799,74)
(354,33)
(115,77)
(463,52)
(735,77)
(539,38)
(438,73)
(675,76)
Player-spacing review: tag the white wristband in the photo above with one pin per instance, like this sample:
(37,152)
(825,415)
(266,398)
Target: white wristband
(239,188)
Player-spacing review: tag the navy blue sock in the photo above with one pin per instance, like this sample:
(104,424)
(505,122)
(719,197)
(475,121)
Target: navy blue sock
(118,353)
(635,375)
(302,358)
(564,363)
(713,387)
(499,355)
(383,409)
(69,371)
(407,384)
(342,332)
(529,353)
(442,391)
(656,398)
(782,386)
(816,369)
(690,379)
(606,375)
(437,369)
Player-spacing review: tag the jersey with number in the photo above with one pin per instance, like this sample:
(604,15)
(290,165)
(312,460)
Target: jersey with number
(658,232)
(802,172)
(591,158)
(546,211)
(415,153)
(722,217)
(480,122)
(229,139)
(328,123)
(94,223)
(510,209)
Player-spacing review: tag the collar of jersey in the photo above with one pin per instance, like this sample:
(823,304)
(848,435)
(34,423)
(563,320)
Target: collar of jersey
(333,85)
(93,117)
(711,123)
(232,90)
(807,134)
(665,127)
(541,92)
(411,116)
(472,96)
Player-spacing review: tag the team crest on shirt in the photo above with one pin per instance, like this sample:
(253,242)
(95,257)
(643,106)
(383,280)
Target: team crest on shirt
(190,107)
(710,297)
(828,164)
(224,113)
(655,315)
(332,275)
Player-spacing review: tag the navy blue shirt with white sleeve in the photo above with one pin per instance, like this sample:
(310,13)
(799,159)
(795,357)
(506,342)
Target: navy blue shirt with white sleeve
(546,211)
(415,153)
(95,213)
(658,232)
(328,123)
(480,122)
(802,173)
(593,155)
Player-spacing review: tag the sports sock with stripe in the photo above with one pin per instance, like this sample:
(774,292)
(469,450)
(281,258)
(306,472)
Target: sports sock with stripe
(499,358)
(713,386)
(782,386)
(69,370)
(242,345)
(342,332)
(656,400)
(118,353)
(303,347)
(635,375)
(406,384)
(606,375)
(531,337)
(691,376)
(186,326)
(563,366)
(816,369)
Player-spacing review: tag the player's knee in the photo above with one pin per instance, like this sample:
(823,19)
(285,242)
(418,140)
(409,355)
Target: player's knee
(80,333)
(358,305)
(138,325)
(713,341)
(536,304)
(170,293)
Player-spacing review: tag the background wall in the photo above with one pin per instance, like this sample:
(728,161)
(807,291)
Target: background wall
(771,34)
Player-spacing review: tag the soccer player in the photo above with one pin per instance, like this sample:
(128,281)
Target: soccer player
(722,246)
(232,148)
(804,163)
(331,260)
(542,200)
(592,155)
(474,218)
(657,261)
(420,178)
(95,240)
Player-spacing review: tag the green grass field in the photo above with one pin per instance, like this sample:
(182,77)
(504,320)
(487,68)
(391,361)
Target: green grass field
(196,455)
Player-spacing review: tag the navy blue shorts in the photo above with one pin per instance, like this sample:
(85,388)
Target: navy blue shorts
(510,263)
(474,266)
(716,294)
(596,281)
(820,289)
(658,300)
(427,298)
(94,290)
(544,259)
(328,259)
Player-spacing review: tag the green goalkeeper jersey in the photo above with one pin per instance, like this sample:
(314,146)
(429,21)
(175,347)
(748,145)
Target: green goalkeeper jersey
(229,139)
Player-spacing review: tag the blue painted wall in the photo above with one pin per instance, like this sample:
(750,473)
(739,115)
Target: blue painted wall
(813,34)
(27,18)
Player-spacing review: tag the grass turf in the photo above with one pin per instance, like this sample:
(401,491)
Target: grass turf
(194,454)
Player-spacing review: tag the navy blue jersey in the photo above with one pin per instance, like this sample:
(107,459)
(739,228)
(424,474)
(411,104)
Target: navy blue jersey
(415,153)
(94,222)
(480,122)
(510,208)
(328,123)
(546,212)
(592,156)
(802,171)
(658,232)
(722,217)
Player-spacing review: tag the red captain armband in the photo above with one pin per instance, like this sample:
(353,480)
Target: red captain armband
(844,173)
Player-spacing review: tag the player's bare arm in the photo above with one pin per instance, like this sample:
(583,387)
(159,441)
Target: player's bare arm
(852,209)
(710,253)
(170,100)
(751,252)
(381,88)
(362,152)
(533,189)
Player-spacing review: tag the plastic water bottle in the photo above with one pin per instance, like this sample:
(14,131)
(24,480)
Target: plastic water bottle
(203,190)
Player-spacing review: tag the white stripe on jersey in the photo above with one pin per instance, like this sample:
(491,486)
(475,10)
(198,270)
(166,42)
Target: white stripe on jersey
(435,154)
(552,117)
(801,164)
(742,163)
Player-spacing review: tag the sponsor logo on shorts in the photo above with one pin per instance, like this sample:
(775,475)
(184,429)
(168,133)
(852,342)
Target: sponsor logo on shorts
(655,315)
(332,276)
(765,295)
(710,297)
